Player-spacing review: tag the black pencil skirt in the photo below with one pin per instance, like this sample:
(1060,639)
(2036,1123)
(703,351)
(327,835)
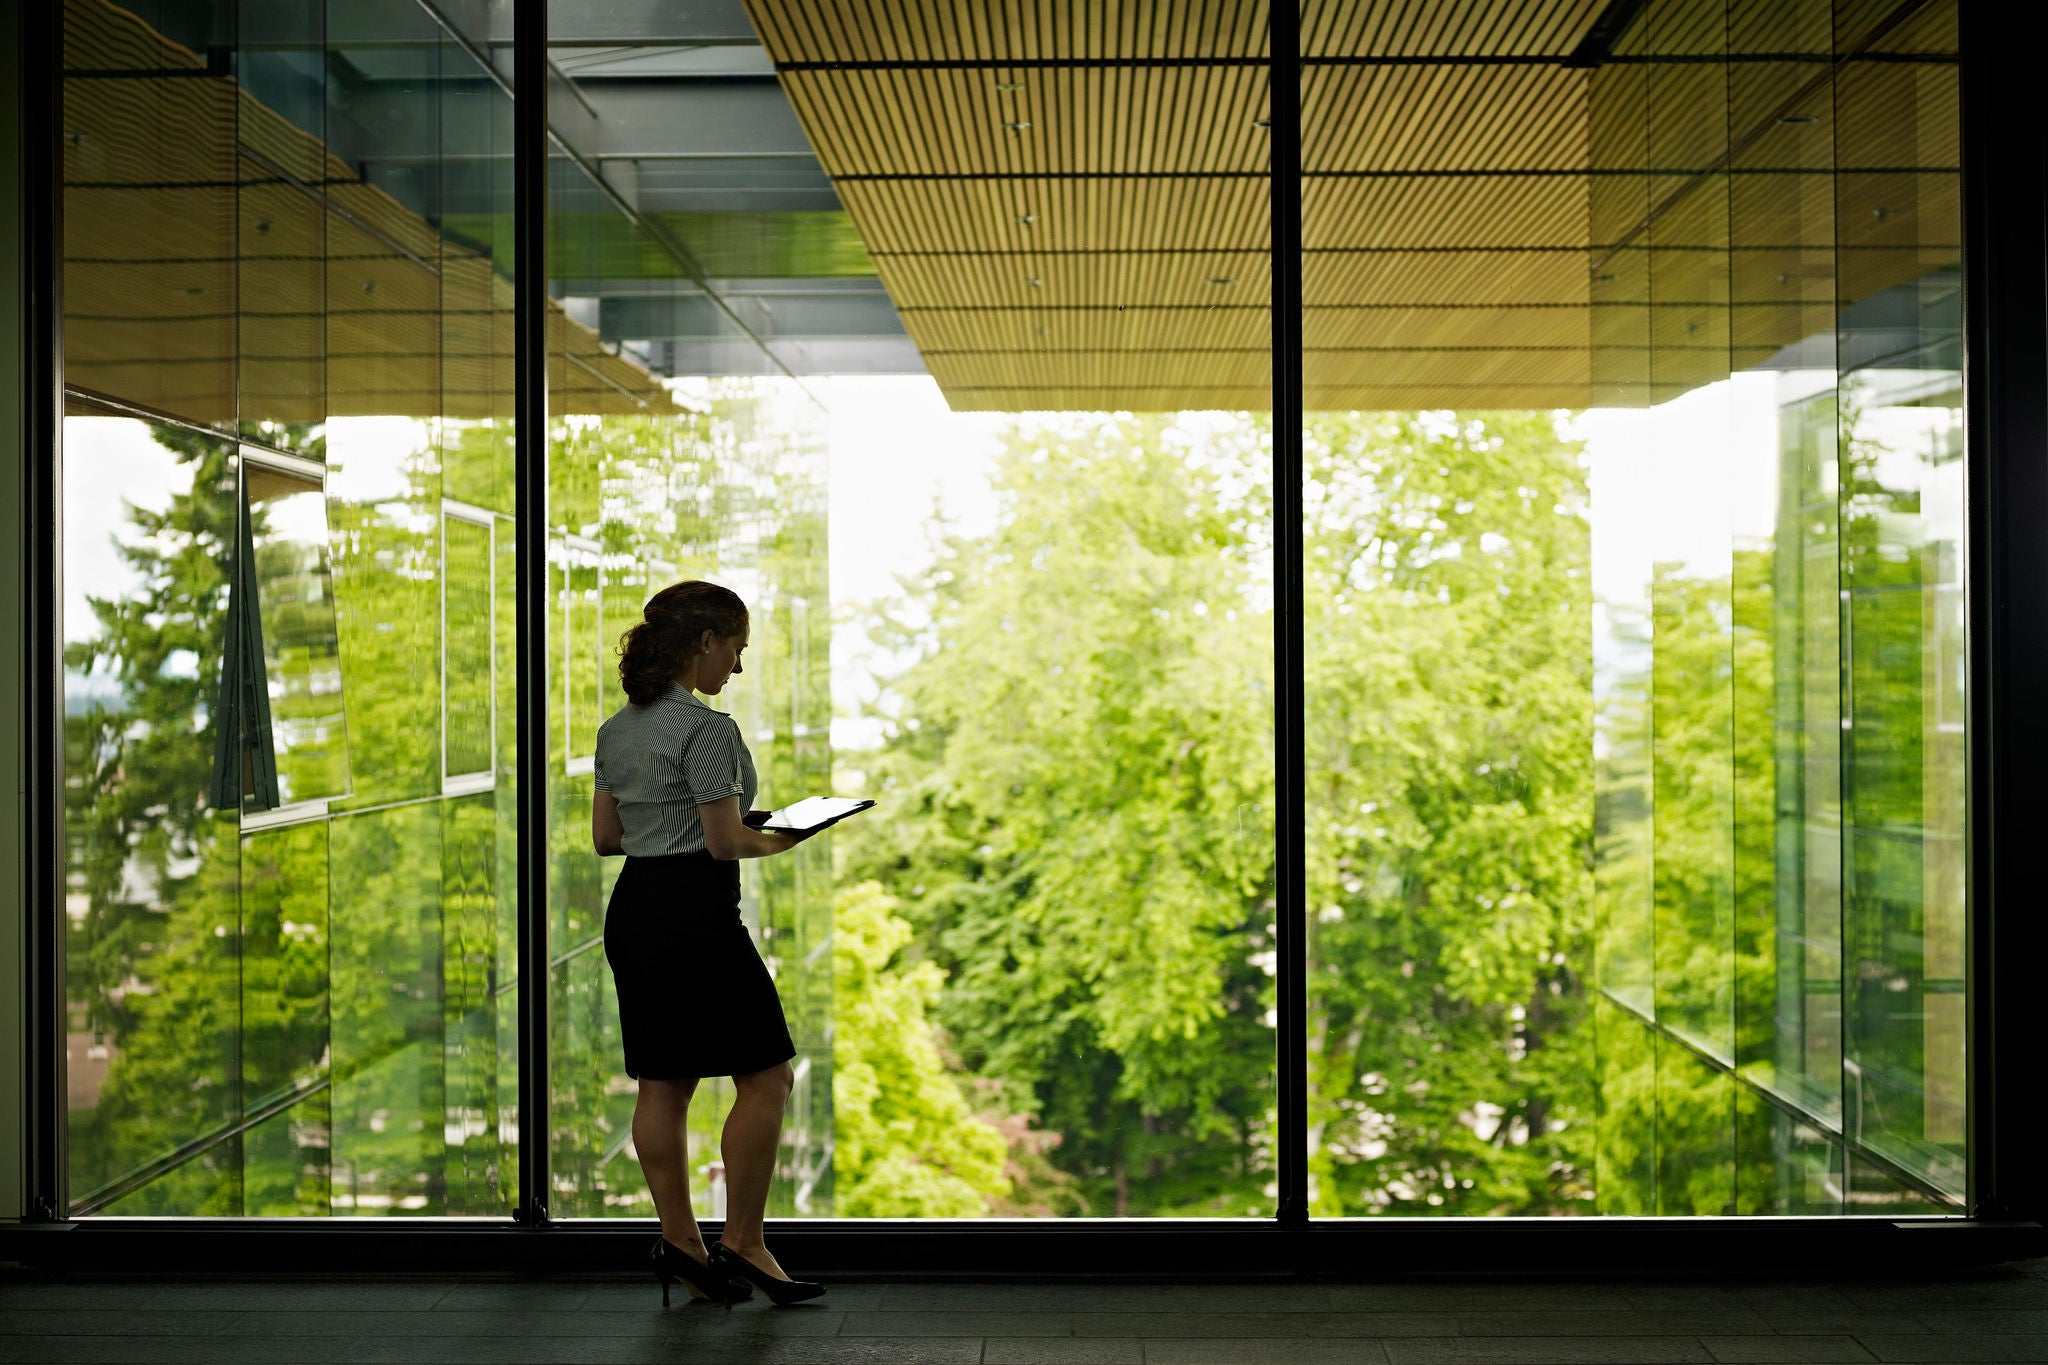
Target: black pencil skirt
(695,999)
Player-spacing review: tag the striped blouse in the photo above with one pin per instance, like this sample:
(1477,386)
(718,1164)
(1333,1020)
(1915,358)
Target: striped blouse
(662,759)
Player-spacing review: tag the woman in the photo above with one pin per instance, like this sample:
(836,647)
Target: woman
(695,999)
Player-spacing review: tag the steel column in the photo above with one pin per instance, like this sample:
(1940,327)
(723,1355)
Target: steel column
(2005,362)
(38,86)
(1289,848)
(530,478)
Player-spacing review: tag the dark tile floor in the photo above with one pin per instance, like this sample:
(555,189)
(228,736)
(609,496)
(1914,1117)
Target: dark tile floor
(1993,1314)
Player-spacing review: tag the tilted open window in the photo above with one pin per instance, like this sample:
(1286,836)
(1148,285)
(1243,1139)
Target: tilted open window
(282,743)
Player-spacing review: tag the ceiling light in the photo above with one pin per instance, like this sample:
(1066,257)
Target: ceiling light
(1034,282)
(1797,120)
(1027,219)
(1262,123)
(1017,127)
(1009,85)
(1219,279)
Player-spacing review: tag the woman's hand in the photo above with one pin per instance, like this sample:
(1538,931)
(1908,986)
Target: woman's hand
(607,831)
(727,837)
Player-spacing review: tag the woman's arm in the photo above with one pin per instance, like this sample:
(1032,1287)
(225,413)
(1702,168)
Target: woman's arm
(726,838)
(607,831)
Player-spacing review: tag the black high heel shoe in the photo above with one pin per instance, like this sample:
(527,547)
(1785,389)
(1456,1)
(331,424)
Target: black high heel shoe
(779,1292)
(714,1282)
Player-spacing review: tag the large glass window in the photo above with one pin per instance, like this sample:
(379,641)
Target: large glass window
(1663,340)
(1635,696)
(679,448)
(1448,680)
(1777,536)
(288,617)
(974,424)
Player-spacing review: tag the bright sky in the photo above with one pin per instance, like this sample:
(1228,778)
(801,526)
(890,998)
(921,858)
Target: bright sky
(1671,483)
(112,465)
(897,452)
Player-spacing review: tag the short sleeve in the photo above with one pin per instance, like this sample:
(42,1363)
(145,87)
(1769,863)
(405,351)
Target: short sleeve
(597,770)
(711,760)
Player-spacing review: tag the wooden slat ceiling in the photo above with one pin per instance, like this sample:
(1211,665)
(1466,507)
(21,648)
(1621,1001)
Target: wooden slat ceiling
(201,282)
(1066,198)
(1009,30)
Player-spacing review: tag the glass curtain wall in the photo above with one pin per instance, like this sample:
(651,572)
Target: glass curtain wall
(288,613)
(1777,568)
(1635,705)
(1663,342)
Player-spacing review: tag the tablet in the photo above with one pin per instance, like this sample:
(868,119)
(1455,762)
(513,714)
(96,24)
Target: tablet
(812,814)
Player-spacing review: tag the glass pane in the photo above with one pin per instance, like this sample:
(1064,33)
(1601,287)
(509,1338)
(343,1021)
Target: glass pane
(1903,703)
(478,1040)
(284,1163)
(151,169)
(285,233)
(1695,1132)
(284,1038)
(575,572)
(466,700)
(153,874)
(384,502)
(303,1010)
(1732,449)
(295,605)
(929,402)
(1625,1151)
(389,1095)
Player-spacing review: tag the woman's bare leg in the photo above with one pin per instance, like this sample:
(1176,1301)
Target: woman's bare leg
(661,1140)
(753,1130)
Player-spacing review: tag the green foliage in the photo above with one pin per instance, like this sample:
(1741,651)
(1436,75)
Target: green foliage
(907,1144)
(1073,807)
(1077,801)
(1448,801)
(153,874)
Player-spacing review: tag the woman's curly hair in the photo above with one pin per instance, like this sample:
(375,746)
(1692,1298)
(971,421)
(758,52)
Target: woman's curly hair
(671,625)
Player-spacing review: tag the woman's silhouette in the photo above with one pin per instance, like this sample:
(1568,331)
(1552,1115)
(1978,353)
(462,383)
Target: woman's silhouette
(695,1000)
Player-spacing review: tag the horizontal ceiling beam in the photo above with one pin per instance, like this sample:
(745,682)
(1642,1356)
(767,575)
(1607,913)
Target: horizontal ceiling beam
(737,116)
(782,317)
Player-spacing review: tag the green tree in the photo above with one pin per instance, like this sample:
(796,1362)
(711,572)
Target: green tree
(1077,808)
(1449,815)
(1076,798)
(906,1142)
(153,873)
